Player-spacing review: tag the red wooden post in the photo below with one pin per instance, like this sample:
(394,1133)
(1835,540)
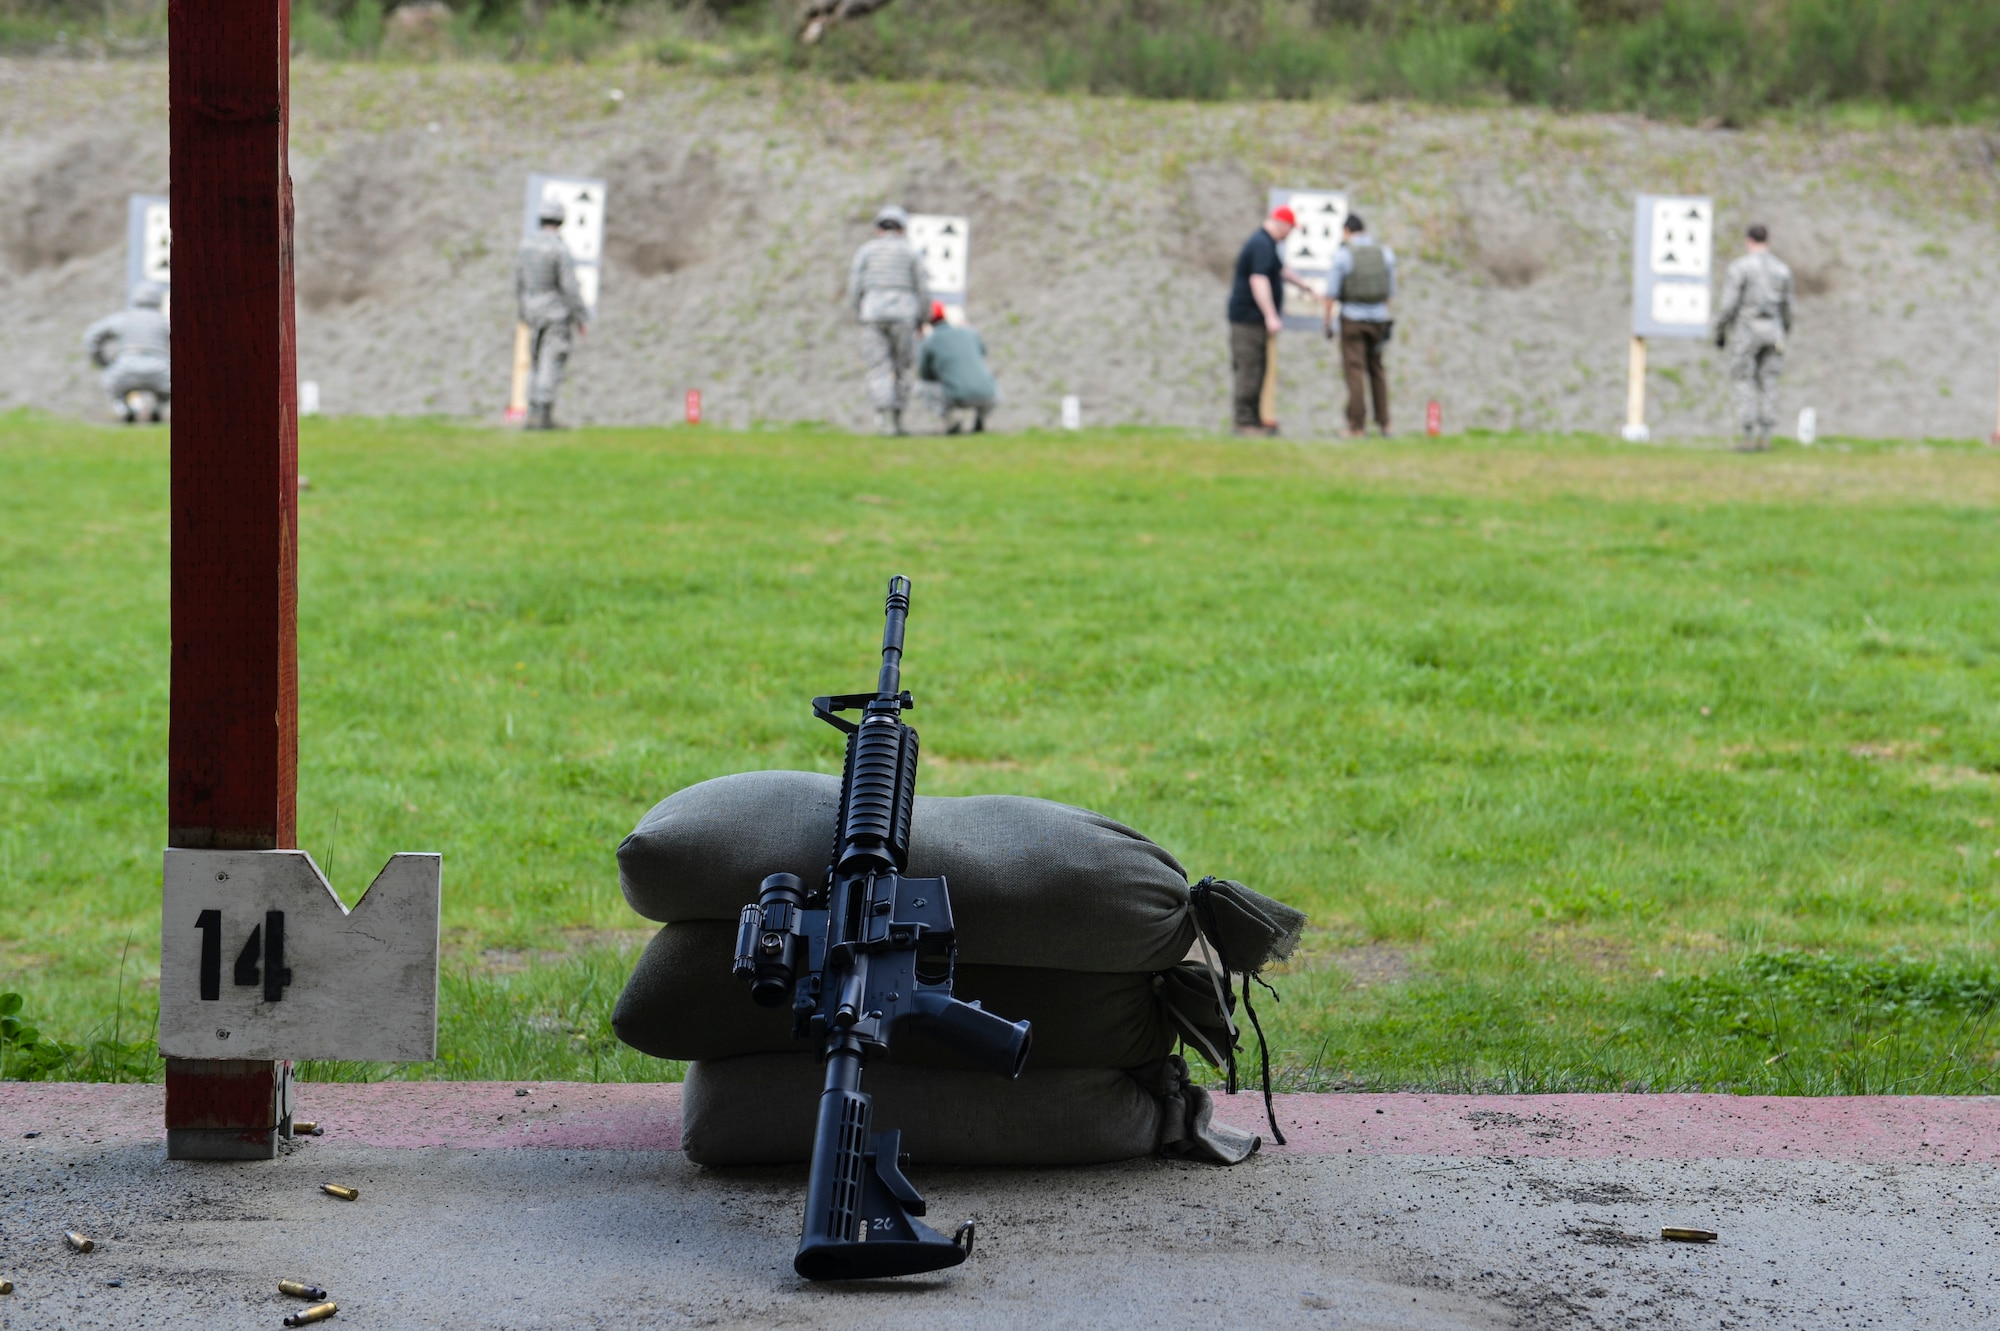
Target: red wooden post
(232,748)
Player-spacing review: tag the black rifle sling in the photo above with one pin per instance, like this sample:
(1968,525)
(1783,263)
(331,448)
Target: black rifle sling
(1200,895)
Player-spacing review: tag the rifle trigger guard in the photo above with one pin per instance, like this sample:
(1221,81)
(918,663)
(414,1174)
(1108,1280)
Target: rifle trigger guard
(962,1236)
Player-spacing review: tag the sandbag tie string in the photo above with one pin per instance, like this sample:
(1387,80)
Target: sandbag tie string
(1202,896)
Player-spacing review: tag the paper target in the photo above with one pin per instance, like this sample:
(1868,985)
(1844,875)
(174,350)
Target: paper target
(1309,249)
(942,239)
(157,245)
(1683,237)
(1684,303)
(1313,241)
(1673,244)
(149,241)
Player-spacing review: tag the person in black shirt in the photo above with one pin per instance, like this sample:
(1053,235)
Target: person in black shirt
(1256,314)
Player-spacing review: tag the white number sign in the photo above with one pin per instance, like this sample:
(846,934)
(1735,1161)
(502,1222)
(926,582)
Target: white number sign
(259,959)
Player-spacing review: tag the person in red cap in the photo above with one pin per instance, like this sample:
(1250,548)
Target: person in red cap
(1256,315)
(952,374)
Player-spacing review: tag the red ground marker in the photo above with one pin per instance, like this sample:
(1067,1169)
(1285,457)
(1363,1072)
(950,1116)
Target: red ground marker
(694,406)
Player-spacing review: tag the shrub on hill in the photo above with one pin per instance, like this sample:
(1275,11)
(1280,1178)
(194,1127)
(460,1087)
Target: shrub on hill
(1723,60)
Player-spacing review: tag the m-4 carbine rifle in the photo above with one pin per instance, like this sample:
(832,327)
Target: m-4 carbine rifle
(865,955)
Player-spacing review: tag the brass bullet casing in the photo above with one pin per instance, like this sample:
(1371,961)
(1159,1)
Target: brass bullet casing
(1682,1235)
(335,1190)
(298,1289)
(319,1312)
(307,1127)
(77,1241)
(6,1287)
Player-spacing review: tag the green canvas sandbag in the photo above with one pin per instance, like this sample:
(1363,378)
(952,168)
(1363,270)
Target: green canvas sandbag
(759,1110)
(682,1002)
(1033,882)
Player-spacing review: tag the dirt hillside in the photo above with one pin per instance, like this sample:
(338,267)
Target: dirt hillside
(1103,230)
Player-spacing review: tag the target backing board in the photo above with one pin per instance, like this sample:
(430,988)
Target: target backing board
(1673,248)
(149,242)
(1309,250)
(942,239)
(582,228)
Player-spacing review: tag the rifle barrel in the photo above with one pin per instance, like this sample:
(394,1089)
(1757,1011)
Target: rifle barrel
(896,612)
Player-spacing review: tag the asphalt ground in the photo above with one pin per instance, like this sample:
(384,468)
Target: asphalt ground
(569,1207)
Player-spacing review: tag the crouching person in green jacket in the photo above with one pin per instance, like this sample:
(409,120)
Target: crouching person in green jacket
(952,374)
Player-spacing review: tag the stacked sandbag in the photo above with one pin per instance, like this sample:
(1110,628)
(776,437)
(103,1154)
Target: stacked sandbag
(1065,918)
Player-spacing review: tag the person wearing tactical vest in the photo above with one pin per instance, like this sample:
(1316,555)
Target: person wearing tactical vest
(1359,290)
(1752,322)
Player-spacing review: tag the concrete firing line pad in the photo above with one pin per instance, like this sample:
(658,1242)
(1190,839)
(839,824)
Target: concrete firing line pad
(571,1207)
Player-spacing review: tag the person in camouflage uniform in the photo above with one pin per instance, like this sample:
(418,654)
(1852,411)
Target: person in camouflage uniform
(135,350)
(886,287)
(551,304)
(1752,322)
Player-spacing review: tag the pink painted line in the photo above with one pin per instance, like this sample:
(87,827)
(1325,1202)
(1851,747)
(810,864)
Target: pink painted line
(646,1117)
(1887,1128)
(554,1115)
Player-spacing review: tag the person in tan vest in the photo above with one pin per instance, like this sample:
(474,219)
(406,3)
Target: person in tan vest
(1358,293)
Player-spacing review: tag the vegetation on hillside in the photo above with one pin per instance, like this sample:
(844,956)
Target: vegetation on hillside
(1720,60)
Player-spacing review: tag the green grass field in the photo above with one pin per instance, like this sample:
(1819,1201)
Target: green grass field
(1596,766)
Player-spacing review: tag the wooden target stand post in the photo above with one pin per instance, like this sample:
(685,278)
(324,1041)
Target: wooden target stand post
(1309,251)
(1994,439)
(256,970)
